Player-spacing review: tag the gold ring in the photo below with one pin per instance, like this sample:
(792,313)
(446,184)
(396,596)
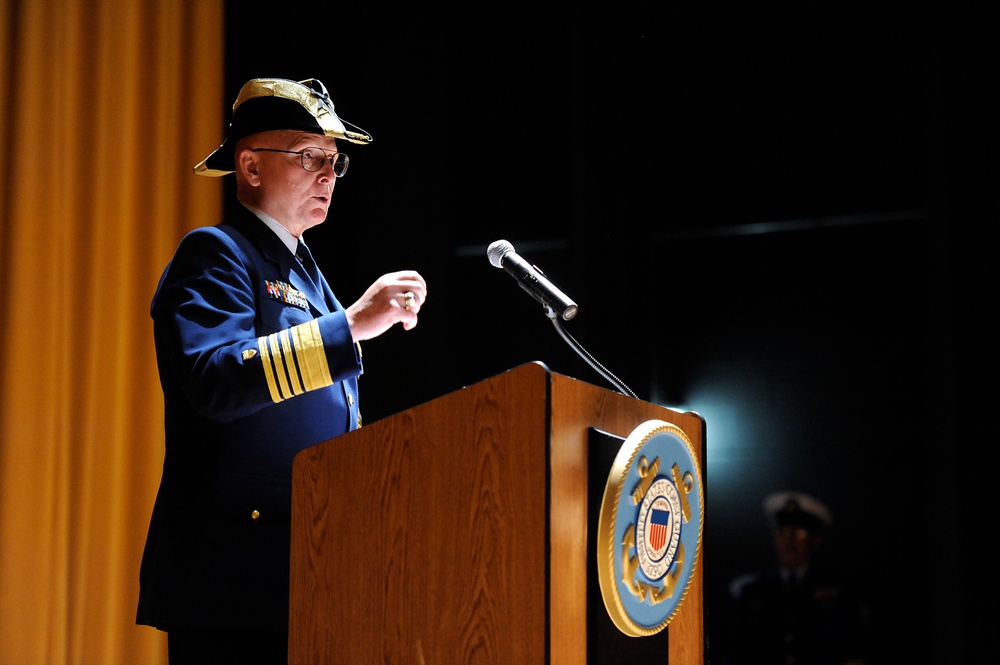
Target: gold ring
(408,300)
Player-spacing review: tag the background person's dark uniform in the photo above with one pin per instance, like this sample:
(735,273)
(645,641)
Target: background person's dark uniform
(804,616)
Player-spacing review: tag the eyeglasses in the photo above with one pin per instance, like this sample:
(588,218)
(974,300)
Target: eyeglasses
(313,159)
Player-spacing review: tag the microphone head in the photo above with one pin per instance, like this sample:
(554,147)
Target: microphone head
(497,250)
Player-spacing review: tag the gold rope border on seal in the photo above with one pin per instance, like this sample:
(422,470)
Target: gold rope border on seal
(607,548)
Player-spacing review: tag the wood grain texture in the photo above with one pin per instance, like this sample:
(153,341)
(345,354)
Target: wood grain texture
(455,531)
(576,407)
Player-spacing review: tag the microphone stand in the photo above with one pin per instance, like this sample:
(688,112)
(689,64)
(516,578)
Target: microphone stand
(615,381)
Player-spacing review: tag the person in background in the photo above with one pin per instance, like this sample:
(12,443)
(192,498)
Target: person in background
(258,360)
(797,612)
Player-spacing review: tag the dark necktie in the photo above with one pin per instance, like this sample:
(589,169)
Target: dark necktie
(304,256)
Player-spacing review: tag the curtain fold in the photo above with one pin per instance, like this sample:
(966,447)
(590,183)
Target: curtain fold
(106,106)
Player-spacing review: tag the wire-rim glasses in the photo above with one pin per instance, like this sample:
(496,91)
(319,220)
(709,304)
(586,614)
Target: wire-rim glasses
(314,158)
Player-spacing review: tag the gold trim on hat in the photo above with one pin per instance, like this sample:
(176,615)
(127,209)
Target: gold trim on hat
(316,101)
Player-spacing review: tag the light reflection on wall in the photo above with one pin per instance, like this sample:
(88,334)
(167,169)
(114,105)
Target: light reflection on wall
(729,429)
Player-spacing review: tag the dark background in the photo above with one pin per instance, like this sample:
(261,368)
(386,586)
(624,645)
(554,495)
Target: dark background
(777,214)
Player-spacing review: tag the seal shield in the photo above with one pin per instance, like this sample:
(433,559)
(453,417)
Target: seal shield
(650,527)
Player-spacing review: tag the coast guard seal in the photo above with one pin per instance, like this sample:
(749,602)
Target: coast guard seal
(649,529)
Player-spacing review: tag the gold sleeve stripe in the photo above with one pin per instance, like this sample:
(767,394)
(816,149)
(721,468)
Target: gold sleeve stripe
(286,351)
(294,361)
(265,361)
(280,363)
(311,355)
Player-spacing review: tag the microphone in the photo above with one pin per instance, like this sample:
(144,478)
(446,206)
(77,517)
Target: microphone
(502,255)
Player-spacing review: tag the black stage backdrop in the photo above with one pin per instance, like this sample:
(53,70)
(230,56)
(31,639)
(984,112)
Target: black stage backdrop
(772,213)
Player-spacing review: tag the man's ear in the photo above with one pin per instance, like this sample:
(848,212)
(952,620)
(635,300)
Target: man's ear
(247,166)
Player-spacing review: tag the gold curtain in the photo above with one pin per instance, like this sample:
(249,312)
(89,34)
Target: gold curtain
(105,107)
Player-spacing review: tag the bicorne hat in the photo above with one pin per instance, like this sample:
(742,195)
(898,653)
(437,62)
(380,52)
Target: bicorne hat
(272,103)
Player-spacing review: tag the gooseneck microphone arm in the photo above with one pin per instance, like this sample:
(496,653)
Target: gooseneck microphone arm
(557,305)
(590,360)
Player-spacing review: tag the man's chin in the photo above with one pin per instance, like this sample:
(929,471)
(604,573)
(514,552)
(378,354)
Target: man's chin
(318,216)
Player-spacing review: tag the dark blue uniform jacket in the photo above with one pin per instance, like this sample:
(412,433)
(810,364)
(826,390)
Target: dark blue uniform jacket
(256,363)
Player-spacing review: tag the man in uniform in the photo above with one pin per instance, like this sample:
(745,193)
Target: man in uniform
(258,360)
(797,612)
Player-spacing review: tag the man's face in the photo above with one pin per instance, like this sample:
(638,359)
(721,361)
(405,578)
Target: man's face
(297,198)
(794,545)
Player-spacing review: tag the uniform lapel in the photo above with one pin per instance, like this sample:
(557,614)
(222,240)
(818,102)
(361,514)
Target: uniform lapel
(273,250)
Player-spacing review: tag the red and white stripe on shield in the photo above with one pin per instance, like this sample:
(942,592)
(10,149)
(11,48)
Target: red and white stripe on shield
(659,527)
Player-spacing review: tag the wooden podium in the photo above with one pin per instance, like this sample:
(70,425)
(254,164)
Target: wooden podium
(457,531)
